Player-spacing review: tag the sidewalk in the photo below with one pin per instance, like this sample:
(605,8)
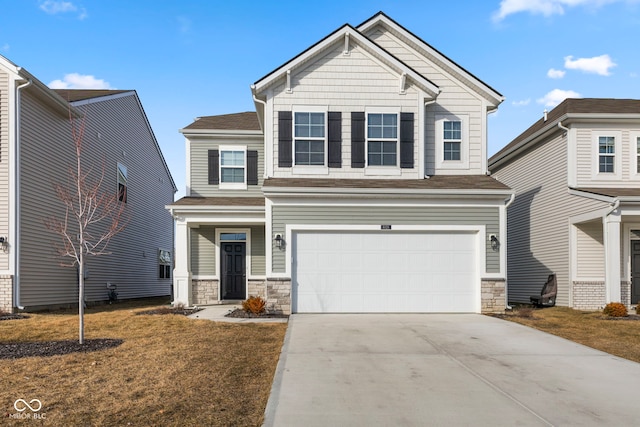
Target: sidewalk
(217,313)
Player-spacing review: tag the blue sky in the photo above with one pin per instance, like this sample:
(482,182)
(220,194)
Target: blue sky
(194,58)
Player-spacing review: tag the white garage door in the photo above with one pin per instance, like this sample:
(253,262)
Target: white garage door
(367,272)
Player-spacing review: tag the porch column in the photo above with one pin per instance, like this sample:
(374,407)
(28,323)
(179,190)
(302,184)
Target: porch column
(612,256)
(182,293)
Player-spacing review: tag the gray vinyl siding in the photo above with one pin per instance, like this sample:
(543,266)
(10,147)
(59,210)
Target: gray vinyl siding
(454,98)
(203,250)
(590,251)
(376,215)
(116,131)
(538,220)
(4,165)
(199,164)
(345,84)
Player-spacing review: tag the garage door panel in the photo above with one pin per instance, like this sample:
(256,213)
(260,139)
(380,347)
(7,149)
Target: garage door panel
(384,272)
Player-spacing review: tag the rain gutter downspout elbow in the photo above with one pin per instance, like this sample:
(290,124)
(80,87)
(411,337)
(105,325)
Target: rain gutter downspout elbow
(16,238)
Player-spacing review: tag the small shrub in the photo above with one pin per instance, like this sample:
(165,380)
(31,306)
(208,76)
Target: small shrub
(615,309)
(255,305)
(524,311)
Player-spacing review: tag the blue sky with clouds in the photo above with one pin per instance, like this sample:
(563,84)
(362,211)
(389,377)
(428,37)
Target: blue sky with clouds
(191,58)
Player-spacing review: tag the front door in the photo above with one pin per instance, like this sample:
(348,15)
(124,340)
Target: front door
(635,271)
(233,267)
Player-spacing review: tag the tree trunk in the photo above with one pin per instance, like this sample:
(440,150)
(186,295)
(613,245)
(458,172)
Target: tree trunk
(81,296)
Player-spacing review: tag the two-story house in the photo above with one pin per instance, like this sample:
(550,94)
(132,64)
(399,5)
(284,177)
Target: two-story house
(36,152)
(359,184)
(576,174)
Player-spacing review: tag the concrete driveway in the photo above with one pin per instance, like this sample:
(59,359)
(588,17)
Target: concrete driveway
(444,370)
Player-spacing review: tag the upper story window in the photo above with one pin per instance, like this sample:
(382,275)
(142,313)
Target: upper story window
(309,138)
(122,183)
(637,145)
(606,154)
(382,139)
(452,141)
(452,138)
(233,167)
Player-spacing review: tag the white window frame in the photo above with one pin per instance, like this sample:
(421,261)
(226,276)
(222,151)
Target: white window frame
(617,154)
(310,169)
(441,163)
(122,168)
(382,169)
(232,185)
(164,260)
(634,141)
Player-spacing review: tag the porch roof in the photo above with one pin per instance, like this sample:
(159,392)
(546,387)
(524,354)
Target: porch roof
(219,201)
(626,193)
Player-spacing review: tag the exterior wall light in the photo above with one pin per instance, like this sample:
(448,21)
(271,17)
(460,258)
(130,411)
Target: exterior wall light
(495,243)
(279,241)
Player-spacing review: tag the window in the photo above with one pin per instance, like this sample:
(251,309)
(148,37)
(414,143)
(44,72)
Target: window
(122,183)
(638,154)
(309,139)
(382,139)
(232,166)
(606,154)
(164,264)
(452,138)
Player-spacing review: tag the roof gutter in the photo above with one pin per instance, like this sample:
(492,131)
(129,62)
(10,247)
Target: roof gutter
(16,237)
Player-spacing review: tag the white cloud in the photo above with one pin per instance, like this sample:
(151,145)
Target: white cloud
(598,64)
(5,47)
(556,96)
(79,81)
(555,74)
(521,103)
(546,7)
(53,7)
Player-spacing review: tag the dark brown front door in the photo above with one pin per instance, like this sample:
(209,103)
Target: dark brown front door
(233,267)
(635,271)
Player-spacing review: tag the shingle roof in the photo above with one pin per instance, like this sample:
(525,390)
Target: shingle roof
(72,95)
(436,182)
(612,192)
(573,106)
(237,121)
(219,201)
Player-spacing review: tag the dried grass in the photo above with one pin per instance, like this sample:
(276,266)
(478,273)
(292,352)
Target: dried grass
(620,337)
(170,370)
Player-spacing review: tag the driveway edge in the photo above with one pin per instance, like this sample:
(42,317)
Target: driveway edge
(276,386)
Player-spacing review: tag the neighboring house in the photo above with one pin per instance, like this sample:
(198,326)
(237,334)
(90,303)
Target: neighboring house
(36,151)
(359,185)
(576,173)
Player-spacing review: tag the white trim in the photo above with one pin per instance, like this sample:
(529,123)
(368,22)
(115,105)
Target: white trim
(420,122)
(626,248)
(478,230)
(218,244)
(572,157)
(440,163)
(187,142)
(232,185)
(268,136)
(617,165)
(268,232)
(385,170)
(205,277)
(634,142)
(310,169)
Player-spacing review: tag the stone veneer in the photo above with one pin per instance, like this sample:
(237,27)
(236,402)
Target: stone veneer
(493,296)
(625,293)
(279,295)
(589,295)
(6,290)
(204,292)
(257,288)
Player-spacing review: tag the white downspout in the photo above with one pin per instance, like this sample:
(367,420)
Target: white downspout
(266,160)
(16,238)
(506,264)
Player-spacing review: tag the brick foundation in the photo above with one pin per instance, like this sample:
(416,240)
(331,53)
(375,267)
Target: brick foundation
(625,293)
(204,292)
(6,293)
(493,296)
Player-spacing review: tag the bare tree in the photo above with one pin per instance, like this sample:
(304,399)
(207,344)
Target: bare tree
(92,215)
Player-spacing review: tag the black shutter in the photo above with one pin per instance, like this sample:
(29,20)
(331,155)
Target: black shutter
(284,139)
(357,139)
(252,167)
(335,139)
(213,167)
(406,140)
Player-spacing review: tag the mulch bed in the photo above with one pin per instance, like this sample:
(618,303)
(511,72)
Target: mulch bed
(12,316)
(247,314)
(171,310)
(628,317)
(54,348)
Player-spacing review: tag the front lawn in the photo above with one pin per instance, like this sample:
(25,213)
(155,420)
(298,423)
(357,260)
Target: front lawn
(169,370)
(617,336)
